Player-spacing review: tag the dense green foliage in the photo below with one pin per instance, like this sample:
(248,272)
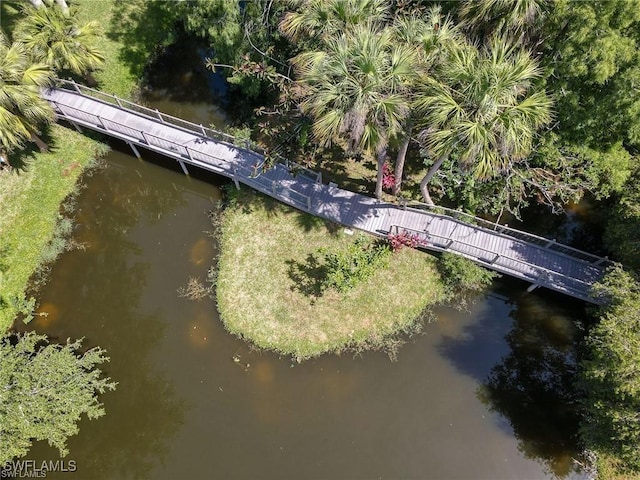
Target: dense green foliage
(258,41)
(610,374)
(593,62)
(622,234)
(243,36)
(219,21)
(462,278)
(45,389)
(347,267)
(591,57)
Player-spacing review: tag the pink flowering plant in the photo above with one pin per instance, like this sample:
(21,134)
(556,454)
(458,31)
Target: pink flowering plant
(388,177)
(405,239)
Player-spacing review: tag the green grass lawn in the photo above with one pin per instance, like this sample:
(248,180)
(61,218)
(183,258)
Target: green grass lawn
(116,76)
(30,200)
(31,195)
(264,297)
(134,31)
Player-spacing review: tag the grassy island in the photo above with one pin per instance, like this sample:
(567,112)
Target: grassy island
(267,289)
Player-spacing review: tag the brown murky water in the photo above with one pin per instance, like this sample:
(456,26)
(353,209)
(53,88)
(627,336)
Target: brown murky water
(482,394)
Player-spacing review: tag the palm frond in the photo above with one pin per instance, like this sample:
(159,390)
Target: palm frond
(327,127)
(481,105)
(22,109)
(60,40)
(355,85)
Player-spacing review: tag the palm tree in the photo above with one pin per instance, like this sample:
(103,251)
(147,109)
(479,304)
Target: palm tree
(432,35)
(322,19)
(507,17)
(355,89)
(483,108)
(22,109)
(59,40)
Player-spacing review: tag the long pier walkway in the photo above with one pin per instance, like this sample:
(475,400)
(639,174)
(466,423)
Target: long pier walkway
(540,261)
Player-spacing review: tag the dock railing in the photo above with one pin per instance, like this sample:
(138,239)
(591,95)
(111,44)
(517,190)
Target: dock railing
(544,243)
(543,276)
(190,127)
(249,176)
(253,177)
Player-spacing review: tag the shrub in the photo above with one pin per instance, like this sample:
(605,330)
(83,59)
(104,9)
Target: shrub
(405,239)
(45,390)
(461,277)
(388,177)
(348,267)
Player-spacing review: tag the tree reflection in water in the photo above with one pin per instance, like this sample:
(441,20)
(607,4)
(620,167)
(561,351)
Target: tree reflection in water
(533,385)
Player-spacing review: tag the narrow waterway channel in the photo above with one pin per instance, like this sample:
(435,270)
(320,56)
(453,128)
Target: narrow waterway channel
(483,394)
(479,395)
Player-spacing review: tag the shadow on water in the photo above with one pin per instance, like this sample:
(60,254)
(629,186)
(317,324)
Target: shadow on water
(178,84)
(580,226)
(531,385)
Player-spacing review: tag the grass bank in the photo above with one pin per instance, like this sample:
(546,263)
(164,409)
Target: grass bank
(31,194)
(30,199)
(266,289)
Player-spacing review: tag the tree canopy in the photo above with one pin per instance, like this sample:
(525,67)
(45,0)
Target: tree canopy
(355,88)
(592,60)
(44,391)
(482,106)
(549,163)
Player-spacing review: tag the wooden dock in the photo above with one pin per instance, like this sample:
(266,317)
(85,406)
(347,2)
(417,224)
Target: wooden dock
(540,261)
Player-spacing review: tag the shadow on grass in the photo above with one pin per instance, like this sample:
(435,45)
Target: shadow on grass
(4,254)
(307,277)
(253,199)
(309,222)
(355,173)
(348,171)
(247,201)
(20,160)
(143,28)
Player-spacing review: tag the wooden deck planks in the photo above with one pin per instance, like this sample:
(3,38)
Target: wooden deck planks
(518,258)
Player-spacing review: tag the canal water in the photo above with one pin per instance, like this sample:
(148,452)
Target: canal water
(481,394)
